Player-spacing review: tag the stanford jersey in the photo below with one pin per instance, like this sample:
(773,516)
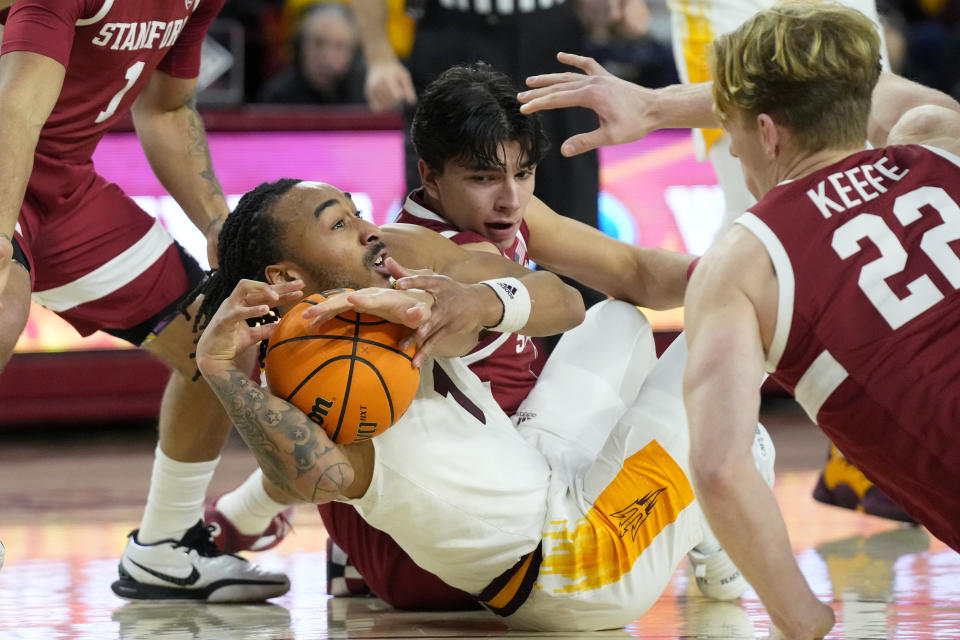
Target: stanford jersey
(110,48)
(508,361)
(868,325)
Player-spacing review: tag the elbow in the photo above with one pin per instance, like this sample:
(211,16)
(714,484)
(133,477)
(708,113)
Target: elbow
(326,486)
(712,472)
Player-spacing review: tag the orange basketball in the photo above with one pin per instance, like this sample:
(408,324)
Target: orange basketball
(348,375)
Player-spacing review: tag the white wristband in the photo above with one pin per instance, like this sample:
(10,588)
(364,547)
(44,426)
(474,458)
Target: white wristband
(516,303)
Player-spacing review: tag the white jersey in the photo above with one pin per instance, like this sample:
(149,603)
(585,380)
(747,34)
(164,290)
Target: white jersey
(454,465)
(576,518)
(694,26)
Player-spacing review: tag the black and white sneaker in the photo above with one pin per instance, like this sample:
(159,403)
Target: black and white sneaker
(192,568)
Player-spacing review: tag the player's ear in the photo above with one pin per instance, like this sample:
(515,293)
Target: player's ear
(282,272)
(428,178)
(770,135)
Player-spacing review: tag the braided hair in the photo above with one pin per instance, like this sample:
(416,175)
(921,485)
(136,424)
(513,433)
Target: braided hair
(250,241)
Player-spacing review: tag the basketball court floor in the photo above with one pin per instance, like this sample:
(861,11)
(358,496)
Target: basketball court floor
(68,499)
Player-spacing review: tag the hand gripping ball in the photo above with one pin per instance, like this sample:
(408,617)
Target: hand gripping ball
(348,375)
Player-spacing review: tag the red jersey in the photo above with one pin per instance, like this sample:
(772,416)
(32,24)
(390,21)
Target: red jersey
(510,362)
(109,49)
(868,326)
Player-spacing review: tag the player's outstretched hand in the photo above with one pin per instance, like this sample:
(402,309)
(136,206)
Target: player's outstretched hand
(228,335)
(623,108)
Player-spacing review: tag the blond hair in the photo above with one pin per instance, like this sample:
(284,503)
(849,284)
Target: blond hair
(809,65)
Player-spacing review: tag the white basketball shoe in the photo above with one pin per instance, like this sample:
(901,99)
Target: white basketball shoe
(192,568)
(717,577)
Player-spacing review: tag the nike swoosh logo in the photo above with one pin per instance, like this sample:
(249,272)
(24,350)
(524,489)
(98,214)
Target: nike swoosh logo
(183,582)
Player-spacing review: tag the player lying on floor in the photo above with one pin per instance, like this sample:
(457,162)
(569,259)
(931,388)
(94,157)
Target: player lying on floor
(528,519)
(478,162)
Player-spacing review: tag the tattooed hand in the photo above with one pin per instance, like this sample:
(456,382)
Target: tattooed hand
(293,452)
(228,335)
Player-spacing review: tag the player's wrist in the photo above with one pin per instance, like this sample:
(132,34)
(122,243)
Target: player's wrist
(515,301)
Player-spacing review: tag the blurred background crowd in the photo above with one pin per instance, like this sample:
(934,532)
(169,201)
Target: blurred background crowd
(309,52)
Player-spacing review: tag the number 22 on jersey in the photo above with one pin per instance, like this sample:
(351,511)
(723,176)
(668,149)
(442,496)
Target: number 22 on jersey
(893,257)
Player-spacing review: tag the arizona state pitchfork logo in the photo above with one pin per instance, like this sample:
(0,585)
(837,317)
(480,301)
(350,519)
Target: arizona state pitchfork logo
(636,513)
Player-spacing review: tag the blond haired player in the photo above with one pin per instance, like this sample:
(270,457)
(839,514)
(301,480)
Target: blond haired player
(841,282)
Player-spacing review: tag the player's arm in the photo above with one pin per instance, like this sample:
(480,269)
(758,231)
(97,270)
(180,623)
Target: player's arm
(931,125)
(648,277)
(388,83)
(30,84)
(294,452)
(175,143)
(626,111)
(554,306)
(893,97)
(721,394)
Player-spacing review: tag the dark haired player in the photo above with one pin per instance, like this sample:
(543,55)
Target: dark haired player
(544,532)
(478,158)
(69,70)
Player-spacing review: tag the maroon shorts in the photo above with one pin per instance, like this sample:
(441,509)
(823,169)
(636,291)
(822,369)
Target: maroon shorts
(389,572)
(95,257)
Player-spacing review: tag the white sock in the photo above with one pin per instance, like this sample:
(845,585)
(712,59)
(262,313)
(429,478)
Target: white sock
(175,501)
(249,507)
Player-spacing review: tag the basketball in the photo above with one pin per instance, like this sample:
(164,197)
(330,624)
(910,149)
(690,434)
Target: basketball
(348,375)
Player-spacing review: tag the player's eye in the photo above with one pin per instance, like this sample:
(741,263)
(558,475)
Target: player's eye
(358,213)
(338,224)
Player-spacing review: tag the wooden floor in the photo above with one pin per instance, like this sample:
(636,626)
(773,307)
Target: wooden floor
(68,498)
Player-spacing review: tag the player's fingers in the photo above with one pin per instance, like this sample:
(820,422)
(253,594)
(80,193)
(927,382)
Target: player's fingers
(428,281)
(547,81)
(585,63)
(425,349)
(263,332)
(243,312)
(555,98)
(396,269)
(320,314)
(582,142)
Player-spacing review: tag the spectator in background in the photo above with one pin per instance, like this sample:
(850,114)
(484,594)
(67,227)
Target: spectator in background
(326,67)
(628,47)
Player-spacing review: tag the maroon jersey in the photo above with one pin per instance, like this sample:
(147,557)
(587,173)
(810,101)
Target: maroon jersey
(508,361)
(109,49)
(868,326)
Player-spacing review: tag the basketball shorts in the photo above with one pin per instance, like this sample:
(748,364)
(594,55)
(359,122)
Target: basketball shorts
(96,258)
(620,523)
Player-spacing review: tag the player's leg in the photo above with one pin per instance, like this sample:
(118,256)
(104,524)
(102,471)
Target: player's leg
(14,305)
(590,380)
(387,570)
(132,279)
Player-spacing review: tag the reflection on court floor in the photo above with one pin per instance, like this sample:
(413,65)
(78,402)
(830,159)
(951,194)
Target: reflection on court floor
(67,503)
(885,581)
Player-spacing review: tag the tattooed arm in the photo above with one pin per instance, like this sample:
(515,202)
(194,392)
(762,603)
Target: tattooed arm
(293,451)
(175,143)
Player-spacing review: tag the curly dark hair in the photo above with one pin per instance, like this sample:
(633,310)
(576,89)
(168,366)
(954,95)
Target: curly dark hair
(250,241)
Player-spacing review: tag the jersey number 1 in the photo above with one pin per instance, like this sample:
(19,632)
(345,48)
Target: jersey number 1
(893,258)
(133,72)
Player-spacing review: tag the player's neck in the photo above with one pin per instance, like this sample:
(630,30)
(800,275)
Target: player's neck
(803,164)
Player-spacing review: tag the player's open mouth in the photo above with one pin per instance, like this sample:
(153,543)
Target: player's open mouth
(378,265)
